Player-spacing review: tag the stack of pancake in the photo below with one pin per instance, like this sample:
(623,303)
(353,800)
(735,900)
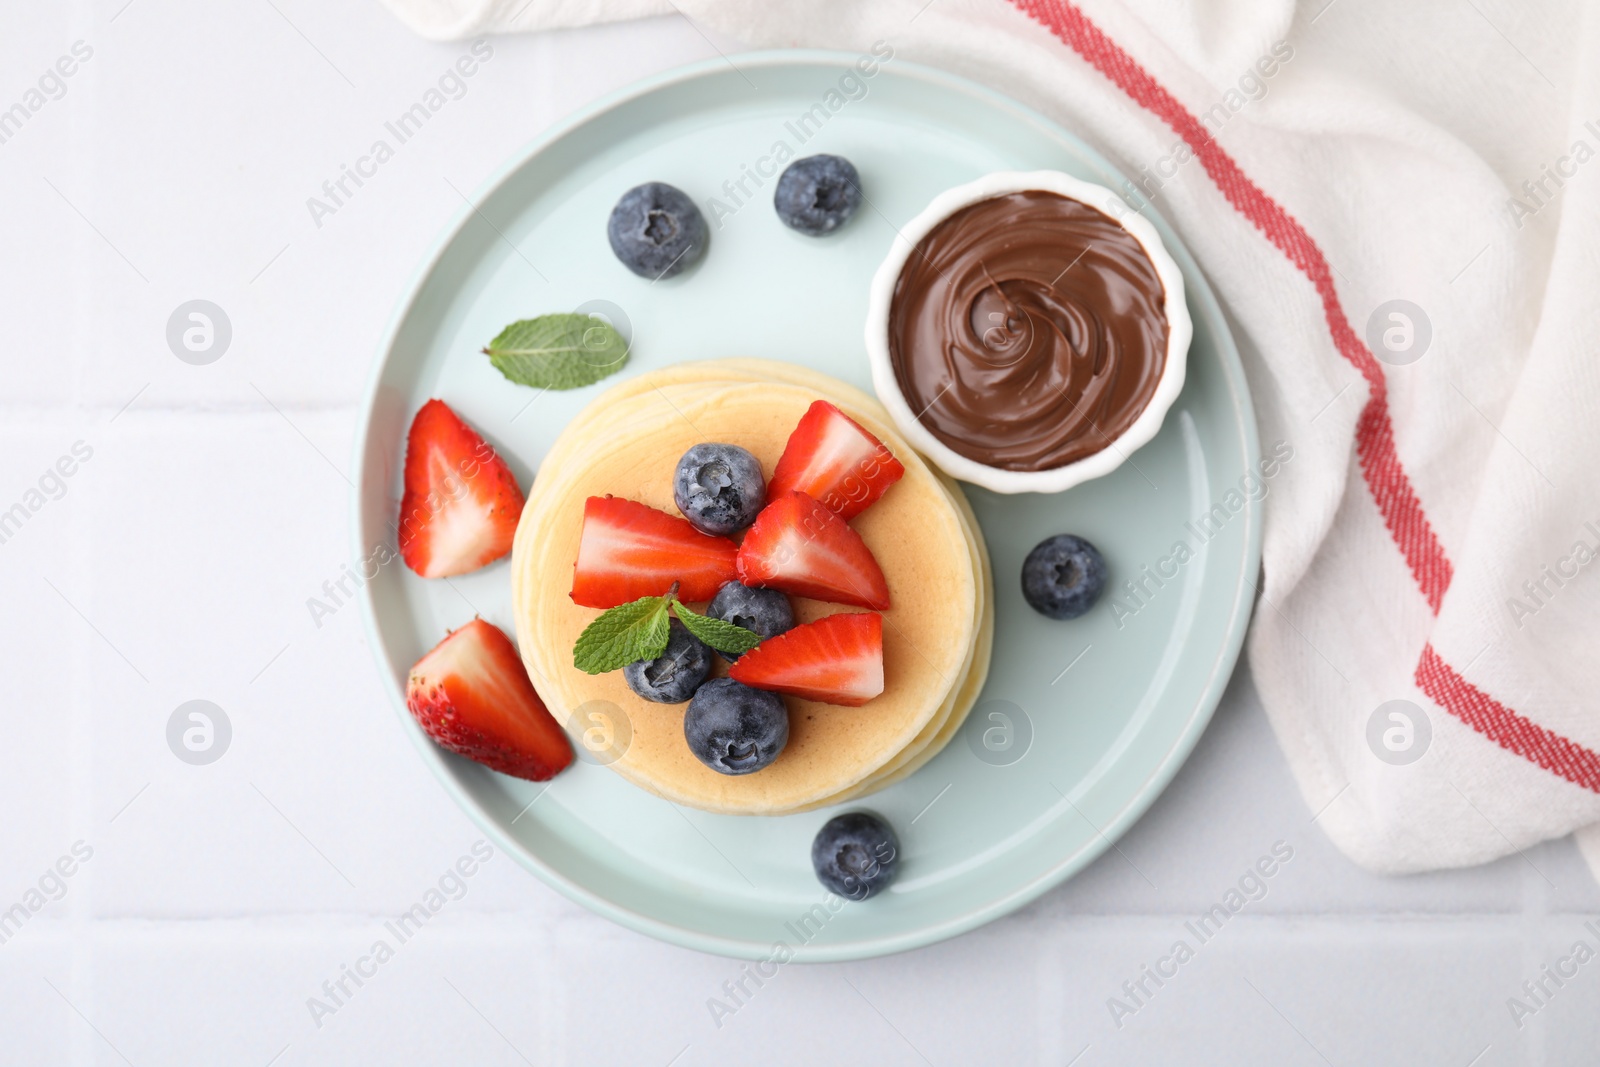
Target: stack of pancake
(937,631)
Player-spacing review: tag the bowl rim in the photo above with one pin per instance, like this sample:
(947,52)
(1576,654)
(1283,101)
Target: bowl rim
(1180,330)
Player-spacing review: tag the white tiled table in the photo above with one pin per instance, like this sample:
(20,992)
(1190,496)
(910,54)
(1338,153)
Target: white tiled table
(176,563)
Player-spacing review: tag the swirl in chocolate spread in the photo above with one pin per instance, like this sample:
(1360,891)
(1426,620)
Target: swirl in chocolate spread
(1028,331)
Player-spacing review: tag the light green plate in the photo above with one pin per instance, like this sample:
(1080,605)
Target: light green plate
(1082,723)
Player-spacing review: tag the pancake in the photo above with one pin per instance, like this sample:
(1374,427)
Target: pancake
(865,410)
(830,748)
(624,443)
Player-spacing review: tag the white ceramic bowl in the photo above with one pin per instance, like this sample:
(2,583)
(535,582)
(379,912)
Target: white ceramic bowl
(1055,479)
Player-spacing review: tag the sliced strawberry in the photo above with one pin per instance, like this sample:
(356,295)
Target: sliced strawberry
(472,695)
(629,550)
(832,459)
(837,659)
(801,547)
(461,502)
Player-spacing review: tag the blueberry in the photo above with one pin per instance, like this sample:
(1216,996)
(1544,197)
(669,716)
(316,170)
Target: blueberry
(719,488)
(673,676)
(766,612)
(855,855)
(657,231)
(734,729)
(1063,576)
(818,194)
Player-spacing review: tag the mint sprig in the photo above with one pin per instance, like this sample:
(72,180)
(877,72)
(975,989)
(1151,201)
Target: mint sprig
(639,630)
(719,634)
(625,633)
(562,351)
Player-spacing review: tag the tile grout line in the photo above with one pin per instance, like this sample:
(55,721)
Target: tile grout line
(80,909)
(78,410)
(1536,918)
(81,1047)
(1443,923)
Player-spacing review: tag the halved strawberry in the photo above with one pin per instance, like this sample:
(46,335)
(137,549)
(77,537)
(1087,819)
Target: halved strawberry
(629,550)
(461,503)
(837,659)
(832,459)
(472,695)
(801,547)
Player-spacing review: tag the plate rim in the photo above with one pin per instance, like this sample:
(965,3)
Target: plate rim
(443,765)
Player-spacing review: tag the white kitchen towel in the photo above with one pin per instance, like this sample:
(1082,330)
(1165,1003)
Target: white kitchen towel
(1399,206)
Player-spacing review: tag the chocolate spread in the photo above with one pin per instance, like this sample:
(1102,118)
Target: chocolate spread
(1027,331)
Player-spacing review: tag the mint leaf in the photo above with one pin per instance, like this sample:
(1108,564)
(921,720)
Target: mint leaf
(623,634)
(720,635)
(564,351)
